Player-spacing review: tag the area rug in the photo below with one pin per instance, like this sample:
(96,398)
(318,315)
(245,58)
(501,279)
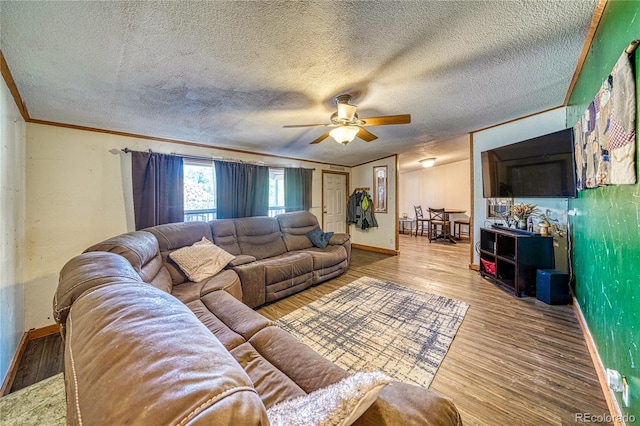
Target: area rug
(371,325)
(41,404)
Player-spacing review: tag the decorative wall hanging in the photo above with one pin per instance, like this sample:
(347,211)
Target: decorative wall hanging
(605,136)
(380,184)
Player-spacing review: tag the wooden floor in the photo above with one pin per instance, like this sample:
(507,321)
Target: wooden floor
(514,361)
(43,358)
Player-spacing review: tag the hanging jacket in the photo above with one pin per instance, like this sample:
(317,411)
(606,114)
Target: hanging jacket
(368,219)
(352,204)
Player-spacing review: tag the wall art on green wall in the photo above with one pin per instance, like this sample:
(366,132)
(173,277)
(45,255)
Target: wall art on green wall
(605,136)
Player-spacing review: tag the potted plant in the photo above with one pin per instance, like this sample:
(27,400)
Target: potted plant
(521,213)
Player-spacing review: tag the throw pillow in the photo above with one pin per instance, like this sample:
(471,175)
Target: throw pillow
(319,238)
(201,260)
(338,404)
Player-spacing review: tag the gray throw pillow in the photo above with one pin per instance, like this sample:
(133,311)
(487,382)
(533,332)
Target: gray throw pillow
(318,238)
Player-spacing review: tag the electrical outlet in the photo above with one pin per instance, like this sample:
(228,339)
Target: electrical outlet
(626,400)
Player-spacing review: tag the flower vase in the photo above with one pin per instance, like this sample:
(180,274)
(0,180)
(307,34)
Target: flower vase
(522,224)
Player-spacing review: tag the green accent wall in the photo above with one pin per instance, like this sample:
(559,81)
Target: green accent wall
(606,228)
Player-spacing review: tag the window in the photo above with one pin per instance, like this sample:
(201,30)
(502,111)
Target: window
(276,191)
(199,191)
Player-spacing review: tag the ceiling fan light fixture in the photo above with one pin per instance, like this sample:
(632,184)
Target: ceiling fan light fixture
(428,162)
(346,111)
(344,134)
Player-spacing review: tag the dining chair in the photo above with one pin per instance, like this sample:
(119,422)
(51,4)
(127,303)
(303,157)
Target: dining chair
(421,221)
(438,218)
(461,227)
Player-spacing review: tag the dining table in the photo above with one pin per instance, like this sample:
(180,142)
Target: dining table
(447,218)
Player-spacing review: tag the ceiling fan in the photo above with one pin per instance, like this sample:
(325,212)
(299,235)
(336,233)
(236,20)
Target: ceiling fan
(348,125)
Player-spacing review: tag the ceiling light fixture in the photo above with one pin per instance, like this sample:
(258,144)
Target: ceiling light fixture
(428,162)
(344,134)
(346,111)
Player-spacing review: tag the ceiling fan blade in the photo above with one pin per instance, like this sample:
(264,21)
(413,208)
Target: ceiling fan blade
(305,125)
(320,139)
(366,135)
(387,119)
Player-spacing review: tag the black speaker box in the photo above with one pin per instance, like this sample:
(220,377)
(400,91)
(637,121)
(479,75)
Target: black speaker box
(552,287)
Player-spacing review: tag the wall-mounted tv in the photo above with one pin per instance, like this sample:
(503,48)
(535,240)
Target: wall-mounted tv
(541,167)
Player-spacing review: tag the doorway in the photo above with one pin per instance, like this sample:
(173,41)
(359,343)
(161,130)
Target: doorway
(334,201)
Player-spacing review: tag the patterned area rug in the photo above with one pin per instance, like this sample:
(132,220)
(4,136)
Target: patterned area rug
(372,325)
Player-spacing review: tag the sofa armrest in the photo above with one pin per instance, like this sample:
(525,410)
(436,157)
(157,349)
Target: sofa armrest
(87,271)
(339,238)
(129,362)
(401,404)
(242,259)
(252,279)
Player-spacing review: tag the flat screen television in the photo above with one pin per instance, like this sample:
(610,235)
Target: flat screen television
(541,167)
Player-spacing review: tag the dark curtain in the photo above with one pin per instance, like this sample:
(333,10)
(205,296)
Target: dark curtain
(242,190)
(158,193)
(297,189)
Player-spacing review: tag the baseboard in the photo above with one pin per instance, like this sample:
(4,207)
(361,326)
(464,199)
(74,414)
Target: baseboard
(13,367)
(375,249)
(34,333)
(612,402)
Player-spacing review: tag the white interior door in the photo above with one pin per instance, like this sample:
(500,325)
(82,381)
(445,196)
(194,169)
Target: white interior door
(334,195)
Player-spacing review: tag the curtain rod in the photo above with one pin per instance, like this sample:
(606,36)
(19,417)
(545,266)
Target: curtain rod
(231,160)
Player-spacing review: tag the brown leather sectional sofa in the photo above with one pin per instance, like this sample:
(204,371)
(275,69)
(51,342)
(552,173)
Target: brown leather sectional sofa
(143,348)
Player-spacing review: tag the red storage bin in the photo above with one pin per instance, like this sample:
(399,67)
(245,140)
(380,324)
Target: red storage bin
(489,267)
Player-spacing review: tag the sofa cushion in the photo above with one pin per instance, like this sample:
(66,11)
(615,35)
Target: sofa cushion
(272,384)
(236,315)
(224,235)
(228,337)
(318,238)
(141,249)
(294,227)
(173,236)
(201,260)
(338,404)
(298,361)
(259,237)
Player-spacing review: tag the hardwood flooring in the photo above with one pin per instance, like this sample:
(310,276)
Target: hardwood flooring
(43,358)
(514,361)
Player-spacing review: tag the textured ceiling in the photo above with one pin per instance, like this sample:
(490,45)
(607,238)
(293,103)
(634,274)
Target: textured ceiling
(231,74)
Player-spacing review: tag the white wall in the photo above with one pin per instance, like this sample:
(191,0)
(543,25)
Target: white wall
(384,236)
(446,186)
(12,209)
(516,131)
(79,193)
